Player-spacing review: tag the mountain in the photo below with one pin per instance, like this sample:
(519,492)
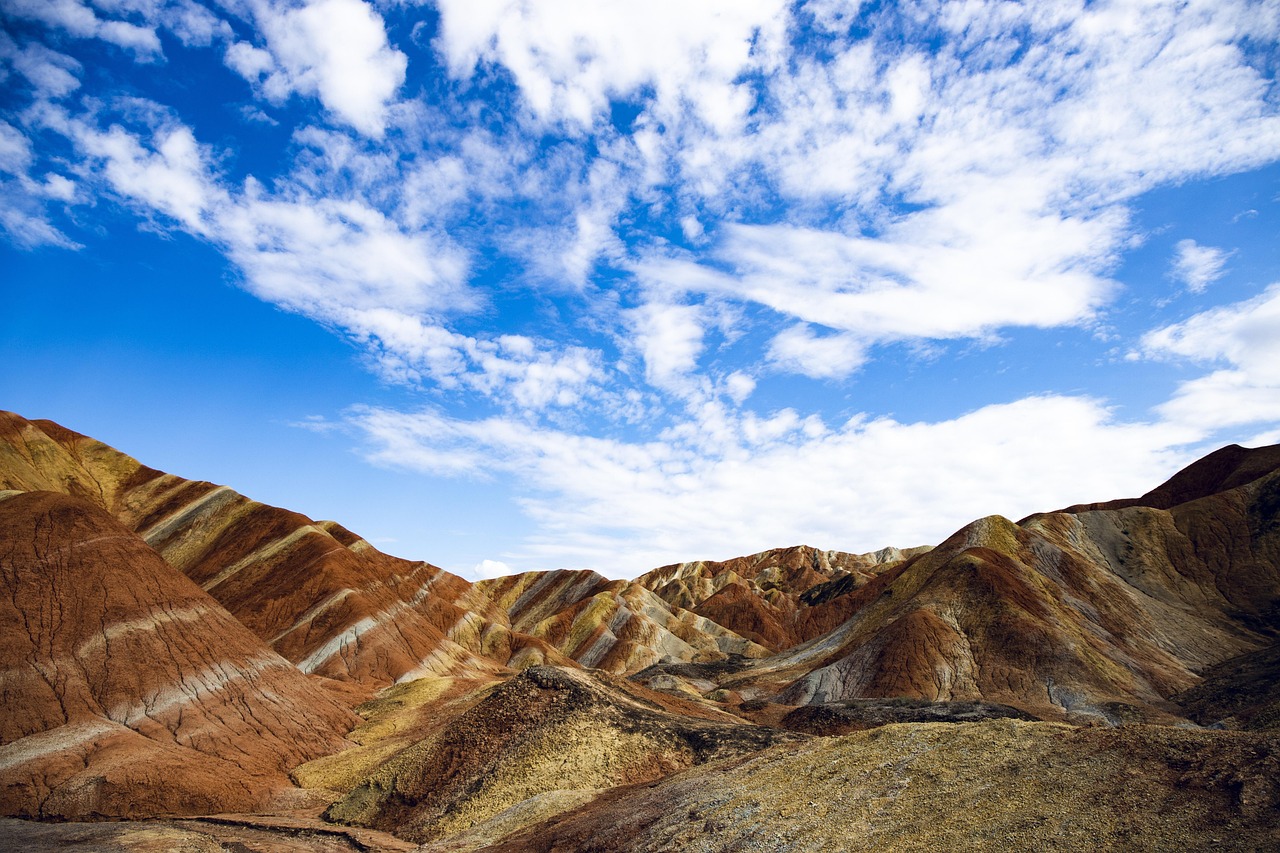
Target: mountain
(776,598)
(543,741)
(986,786)
(175,647)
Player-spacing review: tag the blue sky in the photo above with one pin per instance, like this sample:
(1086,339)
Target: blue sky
(511,285)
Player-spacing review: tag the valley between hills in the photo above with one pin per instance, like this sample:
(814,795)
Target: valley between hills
(184,668)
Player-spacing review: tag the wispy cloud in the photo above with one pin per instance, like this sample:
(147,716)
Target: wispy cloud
(81,20)
(1242,340)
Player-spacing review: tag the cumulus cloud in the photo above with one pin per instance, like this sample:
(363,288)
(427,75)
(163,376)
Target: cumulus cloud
(1196,266)
(335,50)
(167,175)
(332,258)
(490,569)
(670,338)
(798,350)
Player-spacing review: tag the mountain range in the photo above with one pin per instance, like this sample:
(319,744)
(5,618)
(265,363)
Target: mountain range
(1101,675)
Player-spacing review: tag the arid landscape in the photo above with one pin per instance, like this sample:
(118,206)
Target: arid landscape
(185,668)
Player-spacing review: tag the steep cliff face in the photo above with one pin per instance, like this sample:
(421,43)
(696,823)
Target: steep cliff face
(126,689)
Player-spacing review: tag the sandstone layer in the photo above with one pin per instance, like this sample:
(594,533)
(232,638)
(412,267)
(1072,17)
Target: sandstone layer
(174,647)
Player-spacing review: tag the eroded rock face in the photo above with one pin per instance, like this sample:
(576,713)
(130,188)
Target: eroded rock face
(315,592)
(617,626)
(487,720)
(128,691)
(546,739)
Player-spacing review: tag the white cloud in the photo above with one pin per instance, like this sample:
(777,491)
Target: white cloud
(490,569)
(194,24)
(1198,266)
(167,174)
(50,73)
(623,508)
(739,386)
(959,271)
(1244,337)
(341,261)
(974,176)
(23,218)
(329,258)
(670,338)
(798,350)
(336,50)
(16,155)
(26,224)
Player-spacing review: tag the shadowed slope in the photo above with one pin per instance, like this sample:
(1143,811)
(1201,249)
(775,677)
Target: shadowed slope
(127,690)
(1241,693)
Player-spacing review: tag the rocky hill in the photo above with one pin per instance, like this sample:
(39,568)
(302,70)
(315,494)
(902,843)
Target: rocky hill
(173,647)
